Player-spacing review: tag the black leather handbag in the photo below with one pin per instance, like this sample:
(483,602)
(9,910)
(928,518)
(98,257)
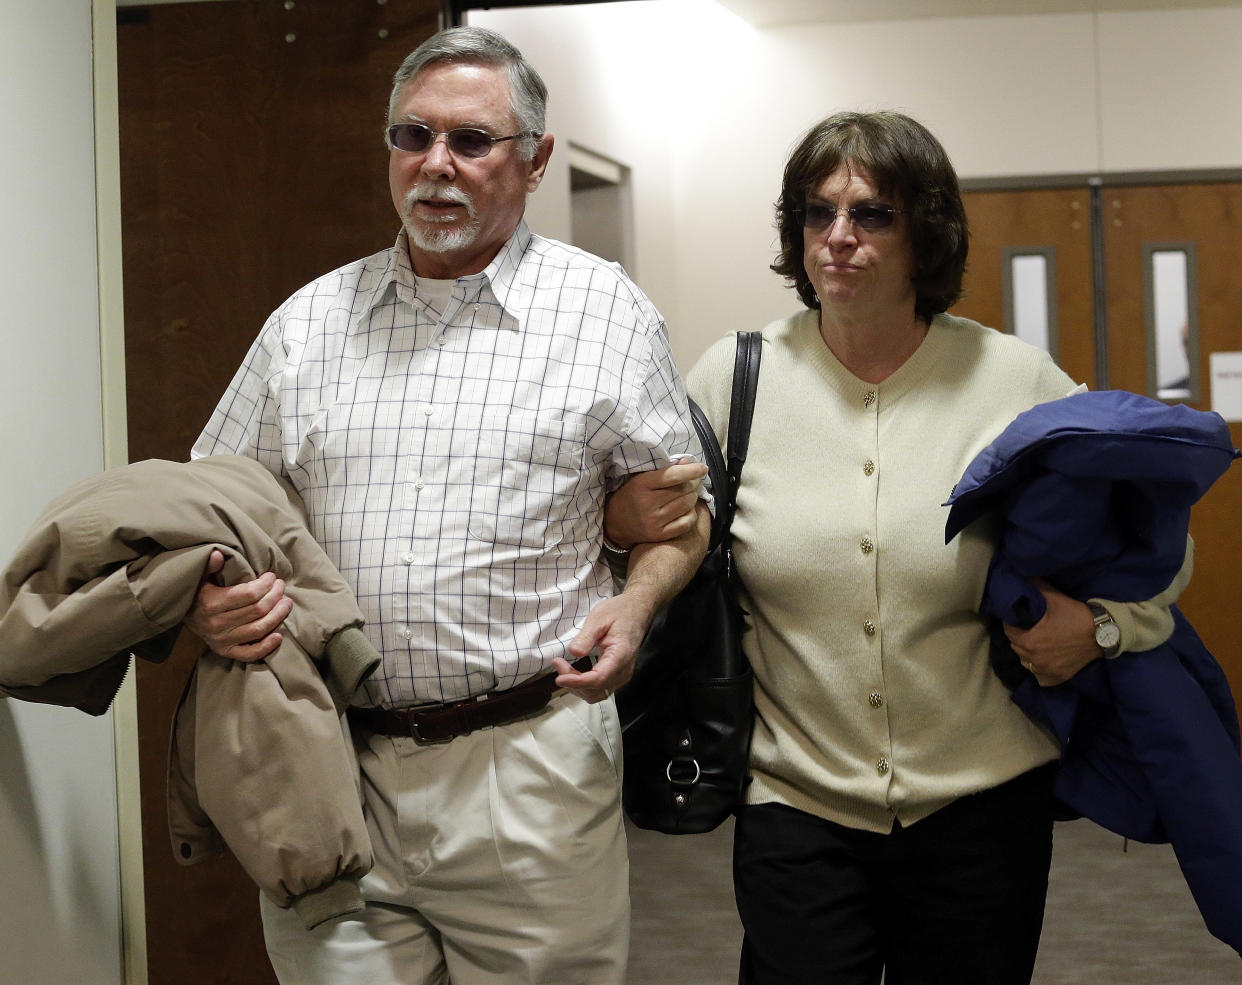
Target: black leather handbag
(687,714)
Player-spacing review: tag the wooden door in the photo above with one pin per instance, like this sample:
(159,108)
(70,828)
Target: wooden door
(1208,217)
(252,160)
(1053,220)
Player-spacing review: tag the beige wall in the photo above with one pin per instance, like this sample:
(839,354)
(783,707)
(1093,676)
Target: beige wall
(707,128)
(1171,90)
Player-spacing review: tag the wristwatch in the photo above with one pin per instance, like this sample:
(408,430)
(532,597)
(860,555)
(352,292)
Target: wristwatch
(1107,632)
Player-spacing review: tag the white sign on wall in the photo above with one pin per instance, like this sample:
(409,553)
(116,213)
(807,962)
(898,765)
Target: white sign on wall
(1226,373)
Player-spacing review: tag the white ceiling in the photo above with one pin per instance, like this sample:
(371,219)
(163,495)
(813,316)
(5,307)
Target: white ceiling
(771,13)
(774,13)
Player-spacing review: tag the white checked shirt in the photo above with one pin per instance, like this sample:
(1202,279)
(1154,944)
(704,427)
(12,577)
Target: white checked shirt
(454,465)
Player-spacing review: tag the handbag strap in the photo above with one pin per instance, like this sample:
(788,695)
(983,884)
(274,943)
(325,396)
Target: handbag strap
(717,473)
(727,477)
(741,410)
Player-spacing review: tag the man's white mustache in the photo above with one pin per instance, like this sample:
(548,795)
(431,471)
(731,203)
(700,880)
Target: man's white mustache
(445,193)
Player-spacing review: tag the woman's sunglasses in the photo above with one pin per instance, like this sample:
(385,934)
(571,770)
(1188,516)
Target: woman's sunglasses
(869,215)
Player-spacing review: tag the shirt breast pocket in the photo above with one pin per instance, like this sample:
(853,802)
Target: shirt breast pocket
(528,468)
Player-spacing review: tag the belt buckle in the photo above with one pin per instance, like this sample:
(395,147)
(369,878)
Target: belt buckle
(457,726)
(416,734)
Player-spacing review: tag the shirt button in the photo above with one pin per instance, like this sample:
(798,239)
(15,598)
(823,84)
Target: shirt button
(874,699)
(866,545)
(881,766)
(442,341)
(868,398)
(868,627)
(420,484)
(407,557)
(868,467)
(427,412)
(407,633)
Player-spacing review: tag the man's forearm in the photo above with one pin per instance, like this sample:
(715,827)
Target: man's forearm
(658,571)
(615,626)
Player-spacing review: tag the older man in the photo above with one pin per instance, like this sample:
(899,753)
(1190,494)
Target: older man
(454,411)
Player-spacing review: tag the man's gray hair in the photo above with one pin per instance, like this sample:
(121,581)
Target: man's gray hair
(528,96)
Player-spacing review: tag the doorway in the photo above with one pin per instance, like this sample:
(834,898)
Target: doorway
(601,213)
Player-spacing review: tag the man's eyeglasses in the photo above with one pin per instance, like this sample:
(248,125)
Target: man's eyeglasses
(462,142)
(869,215)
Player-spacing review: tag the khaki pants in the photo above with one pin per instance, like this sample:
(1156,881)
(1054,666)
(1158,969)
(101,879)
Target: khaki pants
(500,859)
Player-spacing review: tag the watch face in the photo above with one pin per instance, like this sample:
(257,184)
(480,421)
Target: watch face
(1108,635)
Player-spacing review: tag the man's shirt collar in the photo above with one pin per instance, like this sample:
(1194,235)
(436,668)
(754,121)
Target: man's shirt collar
(502,272)
(500,276)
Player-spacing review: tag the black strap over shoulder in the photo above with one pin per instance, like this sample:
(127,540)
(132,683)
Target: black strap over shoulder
(742,408)
(726,477)
(717,474)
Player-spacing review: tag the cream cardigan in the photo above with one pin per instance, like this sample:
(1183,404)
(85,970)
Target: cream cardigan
(874,693)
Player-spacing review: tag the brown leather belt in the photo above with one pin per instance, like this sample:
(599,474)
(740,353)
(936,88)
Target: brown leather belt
(431,724)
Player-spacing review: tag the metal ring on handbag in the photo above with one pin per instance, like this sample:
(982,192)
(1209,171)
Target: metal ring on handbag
(668,772)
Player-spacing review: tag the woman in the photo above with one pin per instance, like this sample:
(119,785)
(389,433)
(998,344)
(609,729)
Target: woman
(899,818)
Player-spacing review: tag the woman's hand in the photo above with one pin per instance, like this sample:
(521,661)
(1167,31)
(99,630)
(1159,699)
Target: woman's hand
(1061,644)
(654,506)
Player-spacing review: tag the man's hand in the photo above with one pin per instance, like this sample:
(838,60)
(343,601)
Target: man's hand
(616,626)
(1061,644)
(654,506)
(239,622)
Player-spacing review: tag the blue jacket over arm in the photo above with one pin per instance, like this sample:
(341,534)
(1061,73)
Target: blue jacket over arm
(1093,493)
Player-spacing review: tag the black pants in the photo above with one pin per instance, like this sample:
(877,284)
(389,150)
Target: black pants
(956,899)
